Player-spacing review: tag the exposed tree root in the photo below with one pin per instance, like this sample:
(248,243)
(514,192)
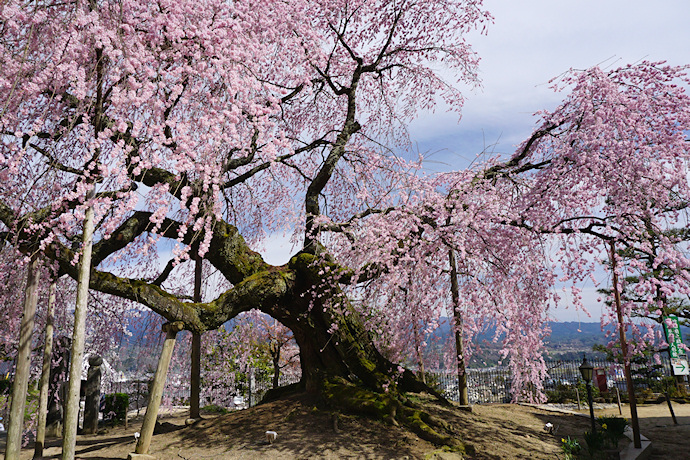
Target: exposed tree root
(391,407)
(281,392)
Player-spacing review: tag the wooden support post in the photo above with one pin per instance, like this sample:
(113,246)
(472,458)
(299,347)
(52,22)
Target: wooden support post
(634,421)
(195,380)
(71,422)
(21,374)
(44,384)
(670,408)
(171,330)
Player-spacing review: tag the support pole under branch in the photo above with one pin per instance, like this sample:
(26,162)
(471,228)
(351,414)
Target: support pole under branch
(624,351)
(144,442)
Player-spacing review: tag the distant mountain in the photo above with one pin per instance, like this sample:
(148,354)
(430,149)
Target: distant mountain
(567,341)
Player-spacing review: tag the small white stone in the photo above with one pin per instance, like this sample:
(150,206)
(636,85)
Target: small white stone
(271,436)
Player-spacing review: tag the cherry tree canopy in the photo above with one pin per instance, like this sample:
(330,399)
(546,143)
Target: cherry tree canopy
(211,124)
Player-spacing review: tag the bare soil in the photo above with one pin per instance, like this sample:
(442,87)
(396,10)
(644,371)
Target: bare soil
(669,441)
(492,432)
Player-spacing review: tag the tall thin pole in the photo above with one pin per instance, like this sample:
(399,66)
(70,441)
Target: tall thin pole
(44,385)
(78,336)
(459,344)
(590,401)
(21,374)
(195,377)
(624,351)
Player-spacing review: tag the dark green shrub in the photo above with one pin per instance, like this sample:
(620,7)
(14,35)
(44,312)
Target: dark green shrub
(215,409)
(116,405)
(613,429)
(565,393)
(595,442)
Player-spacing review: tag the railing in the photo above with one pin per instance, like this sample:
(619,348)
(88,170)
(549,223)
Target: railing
(492,385)
(485,385)
(241,396)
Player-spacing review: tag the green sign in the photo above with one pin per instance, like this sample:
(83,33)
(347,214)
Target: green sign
(675,348)
(679,361)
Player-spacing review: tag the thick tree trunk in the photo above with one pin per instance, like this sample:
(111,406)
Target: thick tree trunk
(21,375)
(344,367)
(78,338)
(195,377)
(275,356)
(457,319)
(348,352)
(44,385)
(334,345)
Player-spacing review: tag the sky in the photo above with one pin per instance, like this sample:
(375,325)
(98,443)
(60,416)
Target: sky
(529,43)
(534,41)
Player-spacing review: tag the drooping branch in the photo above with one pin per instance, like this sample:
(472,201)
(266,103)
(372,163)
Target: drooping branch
(515,161)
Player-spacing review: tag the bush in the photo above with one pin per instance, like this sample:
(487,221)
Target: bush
(215,409)
(613,429)
(116,405)
(565,393)
(595,442)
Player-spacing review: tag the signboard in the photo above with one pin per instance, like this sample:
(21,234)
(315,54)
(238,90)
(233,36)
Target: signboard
(679,361)
(680,366)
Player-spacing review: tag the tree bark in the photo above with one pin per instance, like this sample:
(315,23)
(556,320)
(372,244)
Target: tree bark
(418,351)
(463,397)
(195,377)
(296,294)
(44,385)
(78,338)
(21,375)
(637,440)
(275,355)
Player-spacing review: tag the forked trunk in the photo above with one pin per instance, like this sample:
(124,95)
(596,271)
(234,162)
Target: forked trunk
(334,345)
(340,362)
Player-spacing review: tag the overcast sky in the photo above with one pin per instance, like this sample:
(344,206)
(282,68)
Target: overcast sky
(531,42)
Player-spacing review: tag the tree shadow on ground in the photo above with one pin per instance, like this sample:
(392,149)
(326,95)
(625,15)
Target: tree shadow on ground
(302,428)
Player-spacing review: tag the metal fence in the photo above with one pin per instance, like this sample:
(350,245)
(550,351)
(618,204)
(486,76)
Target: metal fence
(245,394)
(485,385)
(492,385)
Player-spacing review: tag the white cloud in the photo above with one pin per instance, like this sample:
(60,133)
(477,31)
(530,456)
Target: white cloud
(533,41)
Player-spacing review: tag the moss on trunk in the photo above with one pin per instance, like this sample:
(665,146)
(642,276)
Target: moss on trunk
(391,407)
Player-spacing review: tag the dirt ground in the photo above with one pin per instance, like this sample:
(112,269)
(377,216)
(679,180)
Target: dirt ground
(669,441)
(494,432)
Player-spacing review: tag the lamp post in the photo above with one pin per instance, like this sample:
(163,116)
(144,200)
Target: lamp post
(587,370)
